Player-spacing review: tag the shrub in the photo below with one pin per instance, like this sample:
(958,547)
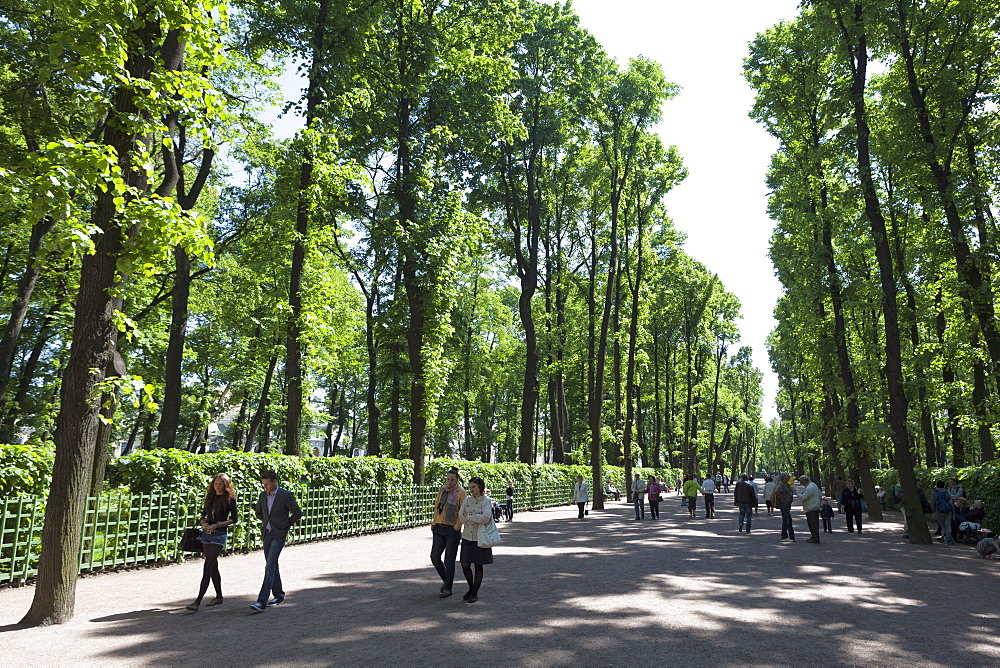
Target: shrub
(25,469)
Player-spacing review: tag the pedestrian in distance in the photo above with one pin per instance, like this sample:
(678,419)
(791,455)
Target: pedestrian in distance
(708,490)
(768,494)
(218,513)
(476,512)
(955,490)
(943,508)
(836,489)
(783,495)
(850,501)
(826,515)
(653,490)
(638,490)
(446,530)
(756,491)
(277,511)
(812,499)
(691,489)
(581,495)
(509,510)
(745,498)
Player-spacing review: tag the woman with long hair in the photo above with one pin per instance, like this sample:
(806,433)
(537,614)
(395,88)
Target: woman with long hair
(476,512)
(218,513)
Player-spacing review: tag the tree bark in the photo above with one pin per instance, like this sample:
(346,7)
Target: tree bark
(856,48)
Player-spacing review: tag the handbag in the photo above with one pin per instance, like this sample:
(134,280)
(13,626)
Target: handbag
(191,540)
(864,506)
(489,535)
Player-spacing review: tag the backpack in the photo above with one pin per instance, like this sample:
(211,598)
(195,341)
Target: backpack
(942,502)
(987,547)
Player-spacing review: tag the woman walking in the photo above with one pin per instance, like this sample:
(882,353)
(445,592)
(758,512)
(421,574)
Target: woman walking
(476,512)
(509,510)
(653,489)
(446,528)
(218,513)
(581,495)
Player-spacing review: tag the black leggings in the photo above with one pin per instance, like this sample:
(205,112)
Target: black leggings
(475,582)
(210,572)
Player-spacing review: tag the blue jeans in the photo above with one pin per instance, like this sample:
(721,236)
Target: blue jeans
(273,542)
(746,514)
(446,540)
(640,505)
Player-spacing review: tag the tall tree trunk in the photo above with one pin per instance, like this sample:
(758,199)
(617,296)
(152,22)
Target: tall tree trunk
(262,405)
(172,386)
(94,338)
(856,47)
(238,430)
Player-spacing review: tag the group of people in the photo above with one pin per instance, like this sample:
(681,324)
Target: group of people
(276,510)
(460,520)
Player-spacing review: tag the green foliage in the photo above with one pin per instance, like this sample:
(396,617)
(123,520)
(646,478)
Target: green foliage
(980,482)
(25,469)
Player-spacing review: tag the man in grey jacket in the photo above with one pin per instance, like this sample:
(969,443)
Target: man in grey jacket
(812,499)
(277,511)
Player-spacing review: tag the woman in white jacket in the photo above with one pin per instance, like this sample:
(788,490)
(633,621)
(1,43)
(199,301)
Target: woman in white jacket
(580,495)
(476,512)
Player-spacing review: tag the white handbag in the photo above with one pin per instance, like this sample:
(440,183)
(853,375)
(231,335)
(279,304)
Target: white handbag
(489,535)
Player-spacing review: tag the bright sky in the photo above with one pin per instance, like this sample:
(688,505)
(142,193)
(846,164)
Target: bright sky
(722,205)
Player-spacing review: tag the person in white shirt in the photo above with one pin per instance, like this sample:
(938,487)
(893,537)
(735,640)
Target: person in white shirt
(638,490)
(708,489)
(581,495)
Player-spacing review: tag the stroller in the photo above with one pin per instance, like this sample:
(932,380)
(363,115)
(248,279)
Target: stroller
(971,533)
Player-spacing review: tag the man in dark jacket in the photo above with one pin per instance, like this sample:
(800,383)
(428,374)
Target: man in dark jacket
(746,499)
(277,511)
(783,495)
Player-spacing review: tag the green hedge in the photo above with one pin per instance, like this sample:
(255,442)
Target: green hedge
(980,482)
(25,469)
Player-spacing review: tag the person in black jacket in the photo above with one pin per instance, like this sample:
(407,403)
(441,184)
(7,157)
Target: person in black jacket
(218,513)
(850,501)
(746,498)
(277,511)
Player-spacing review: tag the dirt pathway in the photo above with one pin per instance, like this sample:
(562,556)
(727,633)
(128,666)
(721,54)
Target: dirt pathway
(604,591)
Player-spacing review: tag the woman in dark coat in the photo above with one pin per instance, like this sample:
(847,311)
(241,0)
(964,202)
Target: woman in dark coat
(850,499)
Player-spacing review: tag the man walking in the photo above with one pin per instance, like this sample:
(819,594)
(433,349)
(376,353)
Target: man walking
(783,495)
(691,489)
(581,495)
(277,511)
(638,490)
(745,498)
(943,509)
(812,499)
(708,489)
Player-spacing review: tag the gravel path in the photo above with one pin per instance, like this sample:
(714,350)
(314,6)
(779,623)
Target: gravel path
(604,591)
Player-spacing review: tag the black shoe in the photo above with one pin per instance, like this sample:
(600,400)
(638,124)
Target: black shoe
(812,540)
(274,601)
(466,596)
(216,601)
(445,593)
(471,599)
(741,528)
(443,589)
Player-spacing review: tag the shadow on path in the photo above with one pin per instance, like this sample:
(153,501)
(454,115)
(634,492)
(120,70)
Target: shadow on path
(606,590)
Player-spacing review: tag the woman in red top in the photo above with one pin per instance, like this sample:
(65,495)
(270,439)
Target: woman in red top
(653,489)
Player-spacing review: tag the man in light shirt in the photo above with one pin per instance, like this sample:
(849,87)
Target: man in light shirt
(277,511)
(638,490)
